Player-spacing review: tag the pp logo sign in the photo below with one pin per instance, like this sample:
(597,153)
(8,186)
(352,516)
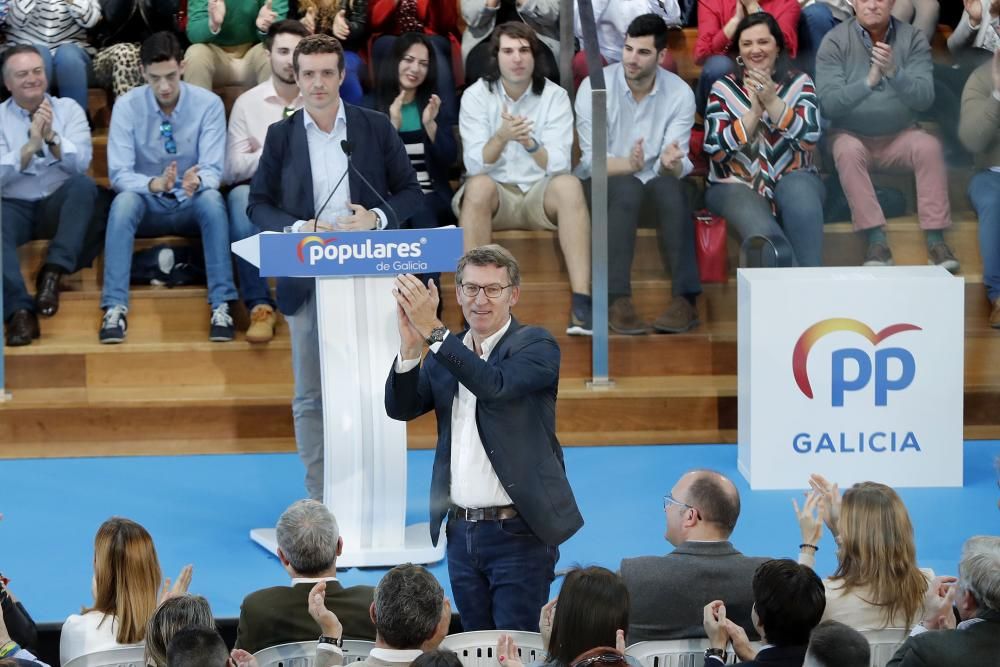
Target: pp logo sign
(852,368)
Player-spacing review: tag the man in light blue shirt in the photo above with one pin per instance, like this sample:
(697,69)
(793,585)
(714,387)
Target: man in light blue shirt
(45,152)
(166,150)
(650,114)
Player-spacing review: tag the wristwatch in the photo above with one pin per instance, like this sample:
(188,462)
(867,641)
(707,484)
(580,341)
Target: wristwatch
(336,641)
(716,653)
(54,141)
(436,335)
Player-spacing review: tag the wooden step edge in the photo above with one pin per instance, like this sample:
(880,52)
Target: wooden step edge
(158,396)
(146,447)
(194,341)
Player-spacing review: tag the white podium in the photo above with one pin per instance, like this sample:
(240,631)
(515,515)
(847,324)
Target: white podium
(364,481)
(854,373)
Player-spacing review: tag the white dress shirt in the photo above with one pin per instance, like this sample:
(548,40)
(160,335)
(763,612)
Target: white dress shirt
(479,119)
(86,633)
(44,174)
(474,483)
(253,112)
(614,16)
(662,117)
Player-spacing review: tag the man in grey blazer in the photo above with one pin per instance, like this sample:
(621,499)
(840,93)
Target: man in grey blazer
(669,593)
(976,640)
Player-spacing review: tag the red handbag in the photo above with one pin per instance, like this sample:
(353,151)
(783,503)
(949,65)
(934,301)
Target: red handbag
(710,247)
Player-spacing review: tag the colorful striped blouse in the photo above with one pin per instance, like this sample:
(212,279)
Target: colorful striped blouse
(777,147)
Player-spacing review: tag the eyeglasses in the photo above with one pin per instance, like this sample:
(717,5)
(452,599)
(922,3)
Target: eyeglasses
(167,132)
(492,291)
(603,658)
(669,500)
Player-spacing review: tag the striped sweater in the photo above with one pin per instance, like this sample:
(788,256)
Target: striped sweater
(778,146)
(52,23)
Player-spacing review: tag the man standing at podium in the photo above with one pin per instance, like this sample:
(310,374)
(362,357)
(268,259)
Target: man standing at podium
(300,186)
(498,470)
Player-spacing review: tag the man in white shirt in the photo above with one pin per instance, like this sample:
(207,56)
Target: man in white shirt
(650,114)
(45,151)
(498,469)
(517,138)
(253,112)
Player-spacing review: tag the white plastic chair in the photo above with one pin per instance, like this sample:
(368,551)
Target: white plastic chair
(123,656)
(884,644)
(669,653)
(478,648)
(303,654)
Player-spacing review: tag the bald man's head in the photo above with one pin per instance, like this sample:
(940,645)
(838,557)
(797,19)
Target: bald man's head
(714,498)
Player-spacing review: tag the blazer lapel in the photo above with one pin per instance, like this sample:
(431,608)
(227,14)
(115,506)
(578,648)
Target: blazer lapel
(299,145)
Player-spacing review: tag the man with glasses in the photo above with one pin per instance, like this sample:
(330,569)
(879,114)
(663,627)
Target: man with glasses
(668,593)
(45,150)
(498,470)
(253,112)
(166,148)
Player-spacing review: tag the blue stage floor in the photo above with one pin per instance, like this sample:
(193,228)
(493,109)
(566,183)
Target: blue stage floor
(200,510)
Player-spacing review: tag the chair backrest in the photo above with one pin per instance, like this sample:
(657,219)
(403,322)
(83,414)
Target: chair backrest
(303,654)
(123,656)
(478,649)
(669,653)
(884,644)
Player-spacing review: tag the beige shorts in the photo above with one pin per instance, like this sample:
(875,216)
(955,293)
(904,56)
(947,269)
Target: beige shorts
(517,209)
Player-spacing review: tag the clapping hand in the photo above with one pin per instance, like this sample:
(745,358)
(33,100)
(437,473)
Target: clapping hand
(830,502)
(671,157)
(165,182)
(810,517)
(938,602)
(418,302)
(637,157)
(714,622)
(741,643)
(882,58)
(431,111)
(545,621)
(309,20)
(341,29)
(514,128)
(180,586)
(266,16)
(396,110)
(507,654)
(241,658)
(191,181)
(762,84)
(216,14)
(327,621)
(974,8)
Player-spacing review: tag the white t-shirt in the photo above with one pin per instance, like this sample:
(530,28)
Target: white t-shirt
(87,633)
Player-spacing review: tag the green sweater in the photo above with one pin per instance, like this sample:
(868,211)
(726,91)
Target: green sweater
(239,26)
(842,65)
(979,128)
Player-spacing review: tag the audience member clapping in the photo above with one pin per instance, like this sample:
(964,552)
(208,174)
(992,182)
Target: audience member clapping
(762,124)
(591,612)
(126,586)
(407,91)
(788,604)
(347,20)
(173,615)
(833,644)
(877,583)
(975,37)
(411,616)
(976,640)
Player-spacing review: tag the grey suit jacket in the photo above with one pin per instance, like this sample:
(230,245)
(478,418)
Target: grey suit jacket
(669,593)
(976,645)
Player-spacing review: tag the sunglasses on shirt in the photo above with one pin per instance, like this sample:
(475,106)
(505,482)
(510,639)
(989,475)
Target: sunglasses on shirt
(167,132)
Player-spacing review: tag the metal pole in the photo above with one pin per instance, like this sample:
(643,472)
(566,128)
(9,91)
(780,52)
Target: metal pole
(599,197)
(3,387)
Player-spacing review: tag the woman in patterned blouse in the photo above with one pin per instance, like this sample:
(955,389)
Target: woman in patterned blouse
(761,126)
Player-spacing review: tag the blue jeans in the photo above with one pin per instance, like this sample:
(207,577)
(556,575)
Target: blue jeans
(350,87)
(68,71)
(147,215)
(714,69)
(815,21)
(63,216)
(984,191)
(500,573)
(307,404)
(255,289)
(798,198)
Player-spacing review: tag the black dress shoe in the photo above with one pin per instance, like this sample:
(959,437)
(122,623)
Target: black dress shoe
(47,292)
(22,328)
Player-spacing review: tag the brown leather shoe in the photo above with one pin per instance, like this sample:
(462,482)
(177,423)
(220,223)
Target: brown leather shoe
(47,292)
(22,328)
(679,317)
(262,323)
(622,318)
(995,315)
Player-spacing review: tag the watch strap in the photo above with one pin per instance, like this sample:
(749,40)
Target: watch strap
(335,641)
(716,653)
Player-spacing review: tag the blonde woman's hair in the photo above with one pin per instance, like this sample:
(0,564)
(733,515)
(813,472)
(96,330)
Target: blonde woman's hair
(877,552)
(126,577)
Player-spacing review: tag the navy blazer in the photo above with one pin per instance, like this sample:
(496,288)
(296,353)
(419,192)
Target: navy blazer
(281,191)
(516,391)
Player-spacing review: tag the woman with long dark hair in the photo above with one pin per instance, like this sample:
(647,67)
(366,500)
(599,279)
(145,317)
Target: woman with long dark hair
(406,90)
(761,125)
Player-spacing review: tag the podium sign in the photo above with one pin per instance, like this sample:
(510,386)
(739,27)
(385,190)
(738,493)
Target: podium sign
(854,373)
(364,478)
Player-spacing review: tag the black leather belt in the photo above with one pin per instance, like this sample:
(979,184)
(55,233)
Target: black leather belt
(482,513)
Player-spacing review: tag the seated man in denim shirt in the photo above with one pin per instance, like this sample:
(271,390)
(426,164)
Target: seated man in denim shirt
(166,150)
(45,151)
